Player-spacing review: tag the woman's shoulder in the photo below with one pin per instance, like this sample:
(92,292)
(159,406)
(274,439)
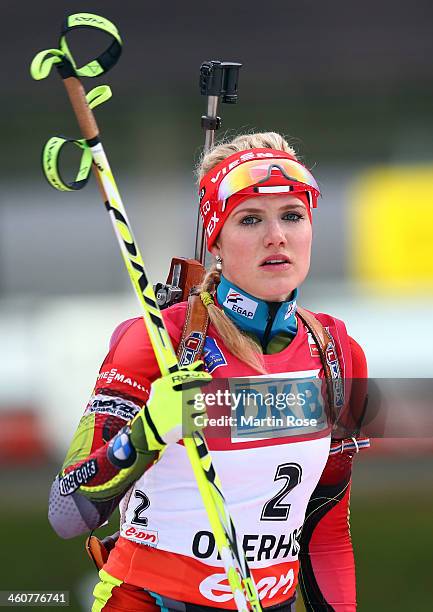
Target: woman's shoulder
(326,319)
(338,330)
(130,346)
(173,317)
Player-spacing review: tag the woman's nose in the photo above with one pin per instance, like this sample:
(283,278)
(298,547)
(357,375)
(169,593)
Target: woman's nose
(274,234)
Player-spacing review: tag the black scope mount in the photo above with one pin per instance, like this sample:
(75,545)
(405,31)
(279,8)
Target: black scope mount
(220,79)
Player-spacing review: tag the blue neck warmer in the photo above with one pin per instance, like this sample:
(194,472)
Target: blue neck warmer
(253,315)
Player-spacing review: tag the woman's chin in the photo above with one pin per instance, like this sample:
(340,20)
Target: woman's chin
(267,289)
(280,294)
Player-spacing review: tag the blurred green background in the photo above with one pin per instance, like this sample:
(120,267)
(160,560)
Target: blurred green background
(351,85)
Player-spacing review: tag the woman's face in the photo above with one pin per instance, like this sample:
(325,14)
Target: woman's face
(260,230)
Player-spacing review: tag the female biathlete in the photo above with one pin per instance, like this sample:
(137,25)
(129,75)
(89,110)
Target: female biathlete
(287,486)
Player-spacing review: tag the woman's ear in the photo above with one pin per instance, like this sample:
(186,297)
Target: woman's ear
(215,248)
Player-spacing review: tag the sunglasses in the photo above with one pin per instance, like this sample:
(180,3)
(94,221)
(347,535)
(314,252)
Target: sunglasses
(293,176)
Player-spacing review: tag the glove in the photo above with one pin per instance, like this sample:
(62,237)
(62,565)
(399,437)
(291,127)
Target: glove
(171,412)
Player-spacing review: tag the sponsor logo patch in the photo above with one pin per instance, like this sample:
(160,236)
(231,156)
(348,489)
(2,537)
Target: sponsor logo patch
(290,310)
(212,355)
(314,349)
(337,381)
(139,535)
(240,304)
(113,376)
(216,588)
(106,404)
(71,481)
(242,158)
(120,452)
(191,348)
(210,228)
(273,407)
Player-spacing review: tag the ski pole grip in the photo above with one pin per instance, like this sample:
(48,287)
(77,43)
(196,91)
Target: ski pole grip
(85,117)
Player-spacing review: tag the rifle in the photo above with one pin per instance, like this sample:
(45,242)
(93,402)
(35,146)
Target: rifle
(218,81)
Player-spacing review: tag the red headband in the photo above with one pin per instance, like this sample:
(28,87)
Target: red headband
(221,189)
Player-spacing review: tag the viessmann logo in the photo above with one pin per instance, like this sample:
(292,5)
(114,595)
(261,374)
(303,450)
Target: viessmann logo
(240,304)
(114,375)
(242,158)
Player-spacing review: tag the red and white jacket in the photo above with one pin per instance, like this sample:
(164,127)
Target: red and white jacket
(288,495)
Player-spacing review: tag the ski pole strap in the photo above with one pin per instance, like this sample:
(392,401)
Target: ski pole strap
(50,164)
(53,148)
(105,60)
(44,60)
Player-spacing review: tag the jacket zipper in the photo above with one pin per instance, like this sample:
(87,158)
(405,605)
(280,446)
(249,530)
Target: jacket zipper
(273,309)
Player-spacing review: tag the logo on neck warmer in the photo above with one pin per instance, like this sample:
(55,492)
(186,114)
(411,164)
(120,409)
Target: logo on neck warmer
(290,310)
(240,304)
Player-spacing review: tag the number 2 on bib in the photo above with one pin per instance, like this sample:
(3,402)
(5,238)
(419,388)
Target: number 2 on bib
(145,503)
(274,509)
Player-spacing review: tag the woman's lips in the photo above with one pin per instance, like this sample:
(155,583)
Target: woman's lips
(275,267)
(277,261)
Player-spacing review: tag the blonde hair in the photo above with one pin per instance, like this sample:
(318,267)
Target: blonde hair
(238,343)
(261,140)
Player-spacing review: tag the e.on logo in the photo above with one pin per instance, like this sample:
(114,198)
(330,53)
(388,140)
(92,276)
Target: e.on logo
(216,587)
(141,536)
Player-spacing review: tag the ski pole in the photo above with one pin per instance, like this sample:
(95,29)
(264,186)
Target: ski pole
(235,564)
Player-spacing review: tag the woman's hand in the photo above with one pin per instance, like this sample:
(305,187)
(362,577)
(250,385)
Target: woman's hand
(169,415)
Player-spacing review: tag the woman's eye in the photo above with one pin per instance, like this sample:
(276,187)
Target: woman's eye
(250,220)
(291,216)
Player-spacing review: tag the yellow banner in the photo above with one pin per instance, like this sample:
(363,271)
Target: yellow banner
(392,228)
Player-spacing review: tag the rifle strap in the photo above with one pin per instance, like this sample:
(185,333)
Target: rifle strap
(194,331)
(325,345)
